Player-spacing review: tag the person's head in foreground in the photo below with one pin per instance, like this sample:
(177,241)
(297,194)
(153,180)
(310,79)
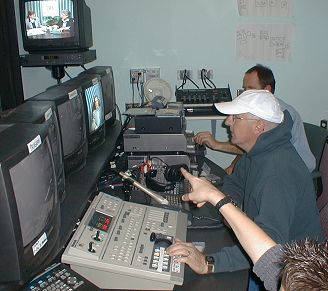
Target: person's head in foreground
(250,114)
(305,266)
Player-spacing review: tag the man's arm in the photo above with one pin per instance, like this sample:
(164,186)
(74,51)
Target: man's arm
(254,240)
(207,139)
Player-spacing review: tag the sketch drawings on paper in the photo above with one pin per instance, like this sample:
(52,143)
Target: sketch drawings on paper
(264,42)
(265,7)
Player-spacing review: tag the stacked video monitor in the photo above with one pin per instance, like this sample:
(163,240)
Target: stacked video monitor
(44,141)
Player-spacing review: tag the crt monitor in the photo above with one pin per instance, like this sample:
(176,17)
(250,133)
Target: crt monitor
(29,208)
(94,107)
(108,87)
(42,112)
(72,123)
(52,25)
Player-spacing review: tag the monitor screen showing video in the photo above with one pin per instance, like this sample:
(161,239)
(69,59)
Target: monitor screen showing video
(95,106)
(49,19)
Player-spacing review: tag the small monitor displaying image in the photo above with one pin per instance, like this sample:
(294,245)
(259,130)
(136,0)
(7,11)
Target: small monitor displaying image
(95,106)
(108,89)
(49,19)
(52,25)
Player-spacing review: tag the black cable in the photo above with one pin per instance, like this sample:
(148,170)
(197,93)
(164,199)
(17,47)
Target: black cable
(132,92)
(212,226)
(209,85)
(84,67)
(126,122)
(207,78)
(202,77)
(183,80)
(157,158)
(186,76)
(140,95)
(206,218)
(67,74)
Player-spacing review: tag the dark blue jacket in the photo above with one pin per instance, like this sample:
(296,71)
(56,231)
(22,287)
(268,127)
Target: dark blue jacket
(275,189)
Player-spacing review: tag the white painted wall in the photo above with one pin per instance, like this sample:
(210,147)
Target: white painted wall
(194,34)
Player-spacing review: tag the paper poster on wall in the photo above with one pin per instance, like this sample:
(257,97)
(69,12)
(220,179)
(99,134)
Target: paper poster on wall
(268,42)
(265,7)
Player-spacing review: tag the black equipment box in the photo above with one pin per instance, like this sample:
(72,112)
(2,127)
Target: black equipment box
(203,96)
(40,59)
(159,124)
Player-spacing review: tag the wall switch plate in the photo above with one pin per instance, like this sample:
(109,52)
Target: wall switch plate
(152,73)
(181,73)
(137,76)
(206,72)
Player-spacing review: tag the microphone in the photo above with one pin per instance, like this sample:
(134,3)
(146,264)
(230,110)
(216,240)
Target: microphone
(158,198)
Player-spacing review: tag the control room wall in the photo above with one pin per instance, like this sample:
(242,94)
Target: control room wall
(192,34)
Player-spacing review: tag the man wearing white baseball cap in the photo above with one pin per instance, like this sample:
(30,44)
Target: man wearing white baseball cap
(261,77)
(271,183)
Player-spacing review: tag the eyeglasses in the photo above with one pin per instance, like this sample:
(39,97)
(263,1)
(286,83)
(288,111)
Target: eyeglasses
(234,117)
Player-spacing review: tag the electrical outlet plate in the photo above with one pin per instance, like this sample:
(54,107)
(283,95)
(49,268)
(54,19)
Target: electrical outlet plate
(180,74)
(152,73)
(137,76)
(207,72)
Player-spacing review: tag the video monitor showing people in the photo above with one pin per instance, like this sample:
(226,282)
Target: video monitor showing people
(48,19)
(95,106)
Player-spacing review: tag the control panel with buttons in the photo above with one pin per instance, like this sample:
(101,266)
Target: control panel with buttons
(122,245)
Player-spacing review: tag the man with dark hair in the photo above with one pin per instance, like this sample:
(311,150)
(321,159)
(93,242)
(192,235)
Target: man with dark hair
(261,77)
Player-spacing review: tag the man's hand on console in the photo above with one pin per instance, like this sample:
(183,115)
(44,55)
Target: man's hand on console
(202,190)
(183,252)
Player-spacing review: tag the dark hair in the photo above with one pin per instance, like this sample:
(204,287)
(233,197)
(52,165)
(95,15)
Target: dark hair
(265,76)
(305,266)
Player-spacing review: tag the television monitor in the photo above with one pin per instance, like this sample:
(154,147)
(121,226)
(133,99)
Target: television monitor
(42,112)
(108,88)
(72,123)
(29,208)
(93,105)
(52,25)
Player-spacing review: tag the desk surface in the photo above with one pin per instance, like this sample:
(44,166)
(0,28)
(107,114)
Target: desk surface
(80,185)
(214,239)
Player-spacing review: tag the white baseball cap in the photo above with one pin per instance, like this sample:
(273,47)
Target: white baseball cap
(260,103)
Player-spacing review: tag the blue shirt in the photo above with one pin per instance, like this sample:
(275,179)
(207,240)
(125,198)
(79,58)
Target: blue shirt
(299,140)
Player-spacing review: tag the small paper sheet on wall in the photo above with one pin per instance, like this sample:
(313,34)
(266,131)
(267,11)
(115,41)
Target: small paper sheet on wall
(267,42)
(265,7)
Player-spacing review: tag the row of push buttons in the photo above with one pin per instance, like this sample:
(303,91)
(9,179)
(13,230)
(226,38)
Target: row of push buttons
(56,281)
(161,260)
(123,250)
